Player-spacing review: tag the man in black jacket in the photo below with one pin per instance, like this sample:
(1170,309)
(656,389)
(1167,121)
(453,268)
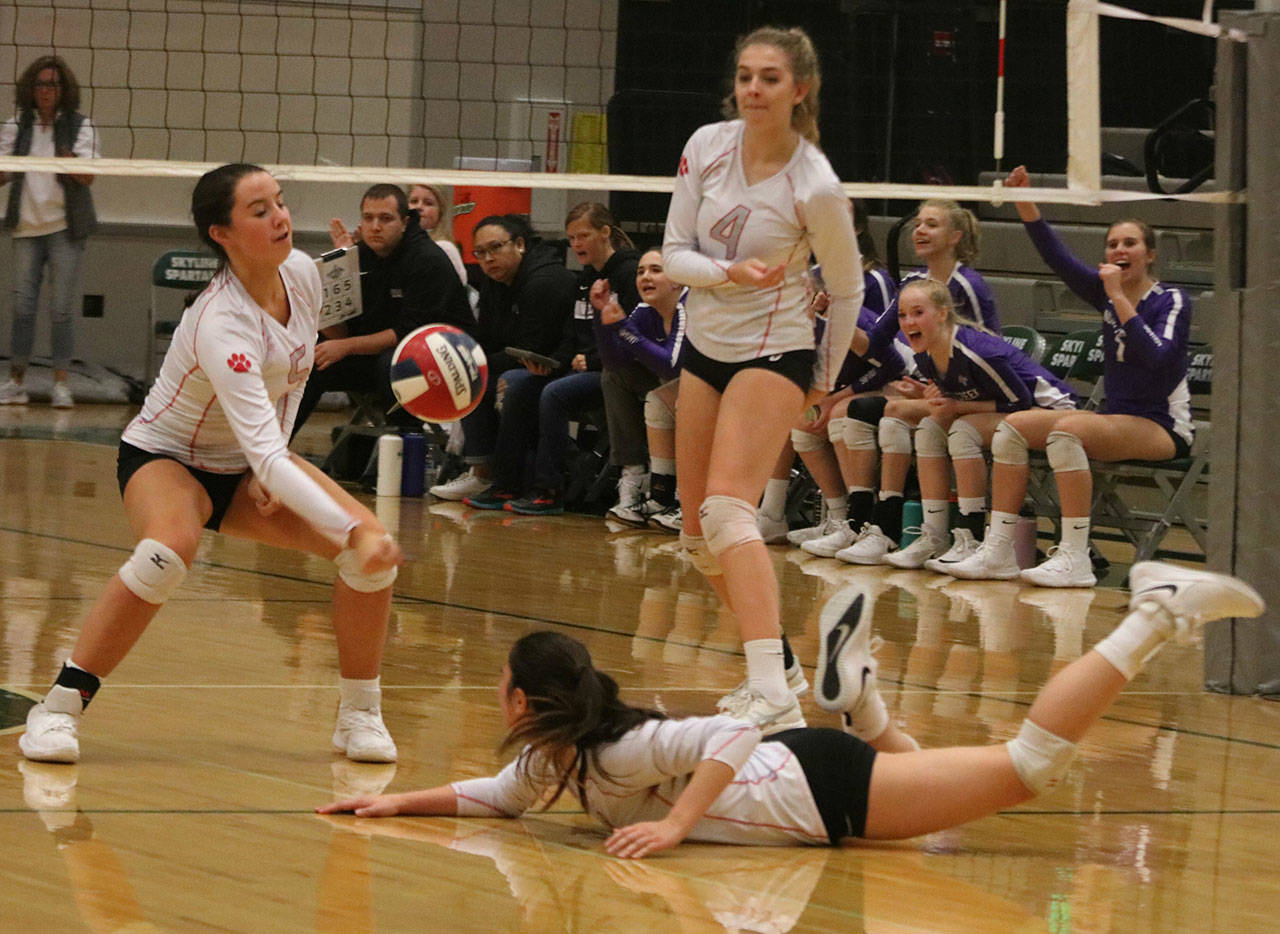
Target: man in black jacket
(406,281)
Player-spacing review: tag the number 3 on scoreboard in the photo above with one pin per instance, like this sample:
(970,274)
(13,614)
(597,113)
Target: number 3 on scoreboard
(728,230)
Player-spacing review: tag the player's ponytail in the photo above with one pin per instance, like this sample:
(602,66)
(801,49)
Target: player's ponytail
(571,707)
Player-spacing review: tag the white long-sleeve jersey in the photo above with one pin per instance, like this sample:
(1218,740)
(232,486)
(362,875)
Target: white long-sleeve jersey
(768,801)
(716,219)
(229,389)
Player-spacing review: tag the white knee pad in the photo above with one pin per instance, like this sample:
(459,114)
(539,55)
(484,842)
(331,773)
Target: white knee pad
(1039,757)
(931,439)
(1008,446)
(835,429)
(1066,452)
(349,570)
(728,522)
(700,555)
(964,441)
(153,572)
(806,441)
(859,436)
(657,414)
(895,436)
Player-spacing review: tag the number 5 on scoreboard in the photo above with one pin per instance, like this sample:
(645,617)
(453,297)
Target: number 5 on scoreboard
(728,230)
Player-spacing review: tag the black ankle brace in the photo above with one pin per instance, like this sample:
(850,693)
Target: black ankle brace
(79,680)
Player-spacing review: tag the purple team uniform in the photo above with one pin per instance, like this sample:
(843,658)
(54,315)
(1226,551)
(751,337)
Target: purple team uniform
(985,367)
(1145,368)
(969,291)
(642,337)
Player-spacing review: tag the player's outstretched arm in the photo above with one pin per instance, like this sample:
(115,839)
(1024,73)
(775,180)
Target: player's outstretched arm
(634,841)
(429,802)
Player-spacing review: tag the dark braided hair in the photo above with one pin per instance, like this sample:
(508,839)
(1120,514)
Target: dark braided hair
(572,706)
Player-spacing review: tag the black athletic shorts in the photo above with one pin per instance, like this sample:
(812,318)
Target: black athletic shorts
(838,769)
(795,365)
(1180,447)
(221,487)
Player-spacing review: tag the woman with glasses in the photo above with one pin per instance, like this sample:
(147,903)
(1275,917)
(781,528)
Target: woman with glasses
(526,302)
(50,215)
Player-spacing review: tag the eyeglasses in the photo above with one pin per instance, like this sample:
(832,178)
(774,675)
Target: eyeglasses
(484,252)
(47,84)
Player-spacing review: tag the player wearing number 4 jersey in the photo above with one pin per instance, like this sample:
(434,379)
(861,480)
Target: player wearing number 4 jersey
(209,450)
(754,197)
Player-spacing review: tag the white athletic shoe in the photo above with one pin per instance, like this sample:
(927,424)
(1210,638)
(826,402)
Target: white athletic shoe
(770,718)
(51,727)
(463,485)
(635,513)
(828,525)
(1190,597)
(733,702)
(362,736)
(827,545)
(918,552)
(846,674)
(61,398)
(12,393)
(989,562)
(870,548)
(670,519)
(773,531)
(963,544)
(1065,567)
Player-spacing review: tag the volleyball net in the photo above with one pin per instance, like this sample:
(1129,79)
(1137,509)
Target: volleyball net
(505,94)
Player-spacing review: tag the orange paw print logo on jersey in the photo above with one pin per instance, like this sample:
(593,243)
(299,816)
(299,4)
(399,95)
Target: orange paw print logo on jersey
(238,362)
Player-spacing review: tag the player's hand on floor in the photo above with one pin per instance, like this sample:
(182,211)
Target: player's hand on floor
(639,840)
(364,806)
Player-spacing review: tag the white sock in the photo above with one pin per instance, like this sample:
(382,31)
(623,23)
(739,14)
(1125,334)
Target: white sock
(633,470)
(1139,636)
(971,504)
(837,508)
(663,465)
(1075,534)
(360,693)
(1001,530)
(937,514)
(765,672)
(774,502)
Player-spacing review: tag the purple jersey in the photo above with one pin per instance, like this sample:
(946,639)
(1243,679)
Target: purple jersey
(642,337)
(875,370)
(1145,359)
(969,291)
(984,367)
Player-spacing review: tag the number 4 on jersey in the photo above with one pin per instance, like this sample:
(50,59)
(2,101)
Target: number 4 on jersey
(728,230)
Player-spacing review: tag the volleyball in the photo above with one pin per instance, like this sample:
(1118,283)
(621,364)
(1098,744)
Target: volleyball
(438,373)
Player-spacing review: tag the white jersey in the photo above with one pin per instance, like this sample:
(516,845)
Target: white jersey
(229,389)
(717,219)
(767,803)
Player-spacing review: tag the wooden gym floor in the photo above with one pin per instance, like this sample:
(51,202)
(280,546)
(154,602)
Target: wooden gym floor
(205,753)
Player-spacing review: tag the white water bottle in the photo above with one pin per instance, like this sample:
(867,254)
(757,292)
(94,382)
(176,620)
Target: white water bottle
(390,456)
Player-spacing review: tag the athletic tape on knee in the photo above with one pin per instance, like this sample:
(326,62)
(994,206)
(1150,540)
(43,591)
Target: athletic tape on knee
(657,414)
(728,522)
(964,441)
(348,563)
(1039,757)
(931,439)
(695,547)
(835,429)
(895,436)
(806,441)
(153,572)
(859,436)
(1008,446)
(1066,452)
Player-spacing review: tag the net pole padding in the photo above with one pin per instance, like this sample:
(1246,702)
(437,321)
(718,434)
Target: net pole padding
(1084,122)
(138,168)
(997,143)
